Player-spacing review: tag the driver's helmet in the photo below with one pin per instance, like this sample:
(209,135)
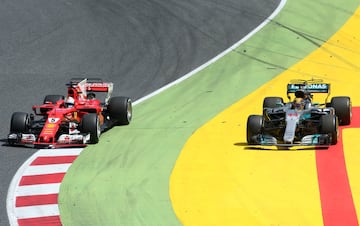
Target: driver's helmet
(300,93)
(69,102)
(91,96)
(299,103)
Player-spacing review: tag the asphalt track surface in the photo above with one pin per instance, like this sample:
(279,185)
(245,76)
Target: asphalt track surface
(140,46)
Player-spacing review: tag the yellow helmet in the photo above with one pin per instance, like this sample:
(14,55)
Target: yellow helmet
(299,103)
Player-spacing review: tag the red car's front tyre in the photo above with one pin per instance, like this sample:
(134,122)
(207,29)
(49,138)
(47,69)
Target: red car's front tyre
(90,123)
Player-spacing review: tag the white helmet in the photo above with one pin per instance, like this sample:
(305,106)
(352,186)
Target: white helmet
(69,102)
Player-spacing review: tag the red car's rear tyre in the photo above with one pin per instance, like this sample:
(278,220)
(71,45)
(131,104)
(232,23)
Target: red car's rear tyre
(53,98)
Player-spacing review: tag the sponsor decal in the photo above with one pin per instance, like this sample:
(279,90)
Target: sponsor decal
(53,120)
(103,85)
(50,126)
(27,138)
(293,114)
(293,87)
(317,86)
(67,139)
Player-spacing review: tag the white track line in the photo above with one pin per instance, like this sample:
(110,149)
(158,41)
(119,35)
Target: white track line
(16,191)
(36,211)
(213,60)
(59,152)
(49,210)
(46,169)
(42,189)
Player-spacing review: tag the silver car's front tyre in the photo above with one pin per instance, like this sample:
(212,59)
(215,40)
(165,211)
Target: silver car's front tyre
(253,128)
(329,125)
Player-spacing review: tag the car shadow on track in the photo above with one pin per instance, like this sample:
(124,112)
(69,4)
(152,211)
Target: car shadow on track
(279,148)
(4,143)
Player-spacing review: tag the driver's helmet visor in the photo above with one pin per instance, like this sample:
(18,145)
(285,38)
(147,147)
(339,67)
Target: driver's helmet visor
(299,103)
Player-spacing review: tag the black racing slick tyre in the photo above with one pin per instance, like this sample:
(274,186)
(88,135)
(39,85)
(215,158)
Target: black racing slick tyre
(20,122)
(120,110)
(342,106)
(253,128)
(273,102)
(53,98)
(90,123)
(329,125)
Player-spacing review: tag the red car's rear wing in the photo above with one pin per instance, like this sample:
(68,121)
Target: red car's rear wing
(99,87)
(91,84)
(74,81)
(82,86)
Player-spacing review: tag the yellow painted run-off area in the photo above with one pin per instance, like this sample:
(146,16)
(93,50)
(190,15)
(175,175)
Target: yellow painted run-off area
(219,180)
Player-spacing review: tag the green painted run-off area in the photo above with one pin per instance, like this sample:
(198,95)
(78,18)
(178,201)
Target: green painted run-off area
(124,180)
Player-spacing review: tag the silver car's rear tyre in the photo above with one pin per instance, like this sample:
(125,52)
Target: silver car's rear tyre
(342,106)
(272,102)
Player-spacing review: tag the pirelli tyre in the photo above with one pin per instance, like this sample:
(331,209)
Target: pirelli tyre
(342,106)
(253,128)
(90,123)
(329,125)
(120,110)
(53,98)
(272,102)
(20,122)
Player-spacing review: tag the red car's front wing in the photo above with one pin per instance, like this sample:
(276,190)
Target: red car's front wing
(65,140)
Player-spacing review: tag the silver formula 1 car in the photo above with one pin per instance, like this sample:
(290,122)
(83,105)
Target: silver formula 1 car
(301,121)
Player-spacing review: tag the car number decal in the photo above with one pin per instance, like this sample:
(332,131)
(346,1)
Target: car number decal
(53,120)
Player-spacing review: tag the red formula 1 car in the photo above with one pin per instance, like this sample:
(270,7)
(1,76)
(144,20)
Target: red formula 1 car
(76,120)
